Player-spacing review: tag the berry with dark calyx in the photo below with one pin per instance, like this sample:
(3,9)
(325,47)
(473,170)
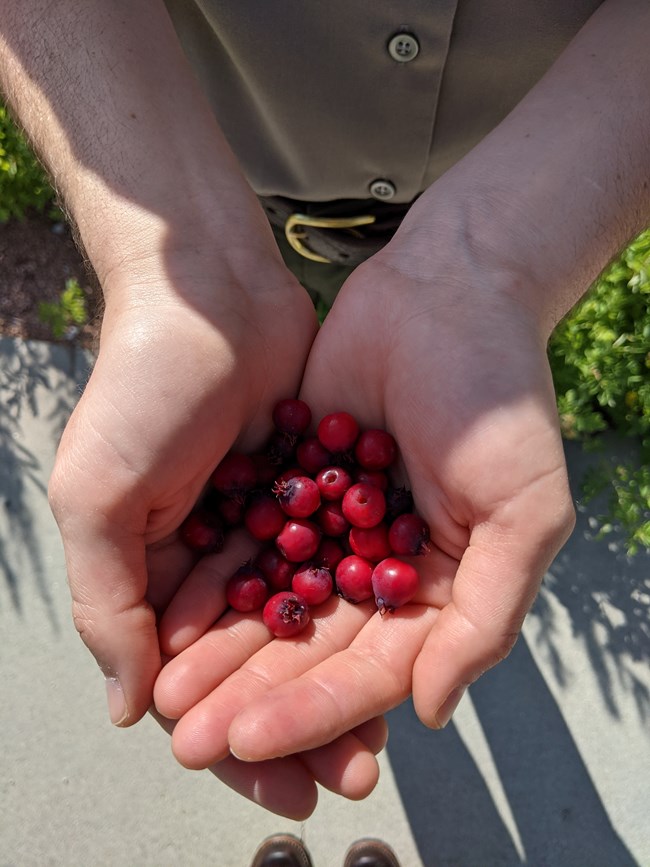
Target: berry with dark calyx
(312,455)
(264,517)
(374,477)
(333,482)
(231,509)
(277,570)
(331,520)
(364,505)
(338,432)
(235,475)
(298,540)
(298,496)
(409,535)
(354,578)
(281,448)
(329,554)
(399,501)
(286,614)
(292,416)
(371,543)
(313,583)
(202,531)
(394,583)
(246,589)
(375,449)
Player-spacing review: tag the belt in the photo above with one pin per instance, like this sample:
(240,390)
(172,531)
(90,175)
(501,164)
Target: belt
(343,232)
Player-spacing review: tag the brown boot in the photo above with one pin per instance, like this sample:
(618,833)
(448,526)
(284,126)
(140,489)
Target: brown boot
(282,850)
(370,853)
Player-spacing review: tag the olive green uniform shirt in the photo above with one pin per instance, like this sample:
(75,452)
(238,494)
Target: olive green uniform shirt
(346,99)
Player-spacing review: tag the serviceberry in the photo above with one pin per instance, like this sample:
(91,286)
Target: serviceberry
(286,614)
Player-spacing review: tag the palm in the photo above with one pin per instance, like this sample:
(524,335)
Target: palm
(481,453)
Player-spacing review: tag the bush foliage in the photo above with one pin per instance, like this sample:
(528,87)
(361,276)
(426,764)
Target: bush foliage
(23,184)
(599,354)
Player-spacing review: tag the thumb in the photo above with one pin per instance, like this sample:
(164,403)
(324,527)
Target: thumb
(494,587)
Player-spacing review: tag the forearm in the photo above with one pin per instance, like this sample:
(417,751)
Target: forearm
(111,105)
(563,182)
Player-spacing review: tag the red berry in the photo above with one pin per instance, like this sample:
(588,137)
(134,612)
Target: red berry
(286,614)
(299,496)
(331,520)
(264,518)
(247,590)
(276,569)
(203,532)
(231,510)
(265,468)
(374,477)
(329,554)
(371,543)
(375,449)
(333,482)
(354,578)
(298,540)
(235,475)
(312,455)
(292,416)
(394,583)
(398,502)
(364,505)
(409,535)
(338,432)
(313,583)
(280,448)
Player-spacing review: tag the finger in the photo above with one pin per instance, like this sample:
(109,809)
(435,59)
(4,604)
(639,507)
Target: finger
(346,767)
(201,598)
(201,735)
(193,674)
(373,733)
(285,786)
(498,578)
(350,687)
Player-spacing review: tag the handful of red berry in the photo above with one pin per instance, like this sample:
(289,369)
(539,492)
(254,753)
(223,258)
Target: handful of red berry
(327,513)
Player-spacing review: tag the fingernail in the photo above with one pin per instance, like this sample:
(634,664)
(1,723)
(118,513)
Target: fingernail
(447,708)
(116,704)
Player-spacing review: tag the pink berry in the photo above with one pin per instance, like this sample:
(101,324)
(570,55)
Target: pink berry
(247,590)
(371,543)
(299,496)
(364,505)
(409,535)
(394,583)
(375,449)
(264,518)
(298,540)
(313,583)
(202,531)
(329,554)
(331,520)
(338,432)
(354,578)
(235,475)
(333,482)
(292,416)
(285,614)
(277,570)
(312,455)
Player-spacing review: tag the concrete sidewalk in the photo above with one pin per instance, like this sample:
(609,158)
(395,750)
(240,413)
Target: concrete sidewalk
(547,761)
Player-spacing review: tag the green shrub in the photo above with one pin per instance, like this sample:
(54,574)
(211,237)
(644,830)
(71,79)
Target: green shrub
(68,313)
(600,358)
(23,184)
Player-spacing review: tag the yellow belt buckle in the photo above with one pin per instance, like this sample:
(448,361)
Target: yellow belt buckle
(296,221)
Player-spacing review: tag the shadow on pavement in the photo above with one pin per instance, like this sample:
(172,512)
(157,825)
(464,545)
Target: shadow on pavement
(559,816)
(39,384)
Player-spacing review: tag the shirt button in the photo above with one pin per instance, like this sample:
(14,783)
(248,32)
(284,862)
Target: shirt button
(382,189)
(403,47)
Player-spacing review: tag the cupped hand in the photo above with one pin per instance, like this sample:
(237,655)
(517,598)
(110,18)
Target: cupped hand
(191,361)
(455,367)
